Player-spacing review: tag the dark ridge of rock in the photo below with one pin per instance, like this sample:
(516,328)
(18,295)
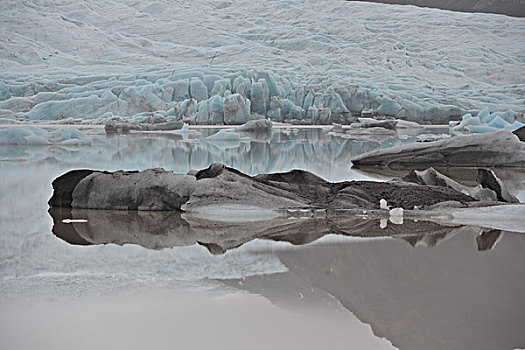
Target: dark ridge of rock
(302,183)
(497,149)
(406,195)
(221,187)
(520,133)
(492,188)
(213,248)
(487,179)
(63,187)
(152,189)
(215,170)
(514,8)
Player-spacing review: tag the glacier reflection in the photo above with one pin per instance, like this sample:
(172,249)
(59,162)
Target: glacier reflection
(314,150)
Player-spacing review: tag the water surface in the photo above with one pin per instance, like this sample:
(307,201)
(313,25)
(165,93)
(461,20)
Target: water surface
(411,286)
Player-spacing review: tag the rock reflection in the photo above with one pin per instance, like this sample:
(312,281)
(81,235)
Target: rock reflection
(158,230)
(448,297)
(488,239)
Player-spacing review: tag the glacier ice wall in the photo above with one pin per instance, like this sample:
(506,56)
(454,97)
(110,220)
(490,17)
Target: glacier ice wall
(215,62)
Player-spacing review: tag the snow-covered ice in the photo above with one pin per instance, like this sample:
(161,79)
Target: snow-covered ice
(316,62)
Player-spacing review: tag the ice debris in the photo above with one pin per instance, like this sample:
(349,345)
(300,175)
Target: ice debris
(396,216)
(484,121)
(30,135)
(256,125)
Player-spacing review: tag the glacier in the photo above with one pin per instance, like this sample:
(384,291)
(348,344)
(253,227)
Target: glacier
(224,62)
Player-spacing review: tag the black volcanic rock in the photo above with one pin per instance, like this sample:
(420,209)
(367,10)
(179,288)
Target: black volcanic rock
(223,188)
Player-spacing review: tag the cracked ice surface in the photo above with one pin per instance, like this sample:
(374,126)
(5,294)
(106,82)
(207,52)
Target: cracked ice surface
(214,62)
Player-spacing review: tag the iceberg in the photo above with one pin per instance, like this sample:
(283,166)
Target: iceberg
(496,149)
(485,122)
(219,190)
(33,136)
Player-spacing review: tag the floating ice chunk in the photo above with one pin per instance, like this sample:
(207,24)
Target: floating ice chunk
(405,124)
(396,216)
(486,122)
(498,123)
(431,137)
(509,116)
(70,221)
(383,204)
(256,125)
(383,223)
(23,135)
(467,120)
(29,135)
(515,126)
(484,116)
(476,129)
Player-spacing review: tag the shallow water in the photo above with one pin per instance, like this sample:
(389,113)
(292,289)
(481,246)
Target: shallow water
(411,286)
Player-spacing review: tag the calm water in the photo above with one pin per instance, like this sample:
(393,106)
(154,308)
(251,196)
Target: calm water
(417,286)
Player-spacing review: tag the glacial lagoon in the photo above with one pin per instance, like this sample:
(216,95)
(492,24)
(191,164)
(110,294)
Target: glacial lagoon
(411,286)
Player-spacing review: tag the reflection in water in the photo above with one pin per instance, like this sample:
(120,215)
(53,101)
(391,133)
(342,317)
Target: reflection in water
(314,150)
(465,292)
(157,230)
(448,297)
(488,239)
